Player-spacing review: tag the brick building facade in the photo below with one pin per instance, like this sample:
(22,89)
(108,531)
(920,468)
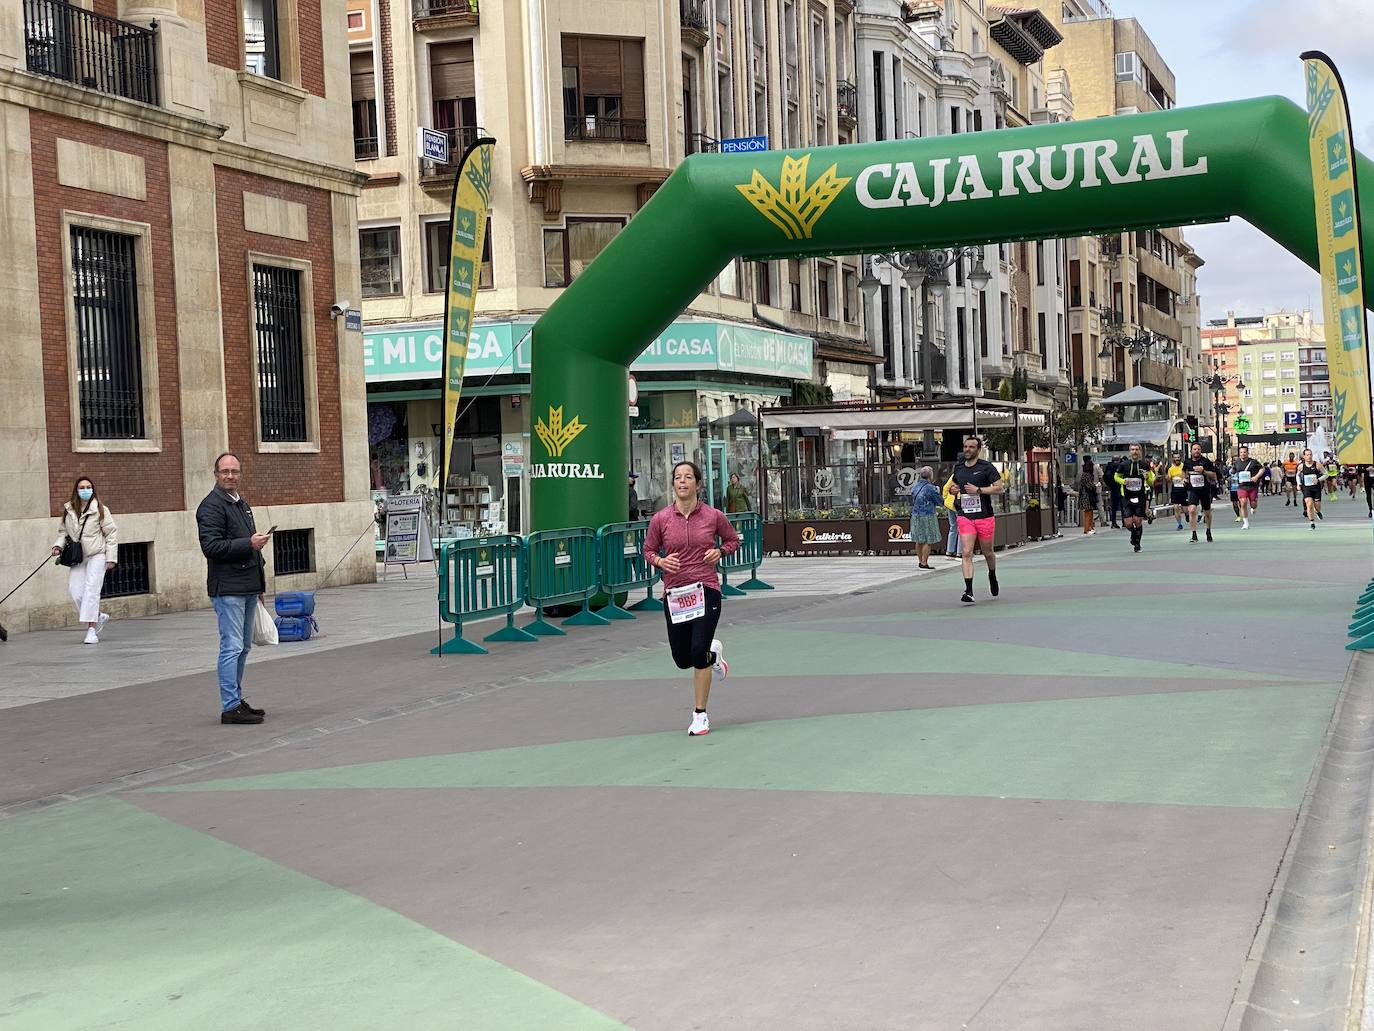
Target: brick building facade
(177,220)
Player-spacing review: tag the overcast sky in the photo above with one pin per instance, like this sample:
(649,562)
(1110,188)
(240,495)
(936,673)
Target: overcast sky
(1234,49)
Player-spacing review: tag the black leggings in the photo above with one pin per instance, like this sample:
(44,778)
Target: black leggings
(691,642)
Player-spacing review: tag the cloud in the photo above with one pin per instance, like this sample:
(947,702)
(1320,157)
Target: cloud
(1248,273)
(1268,26)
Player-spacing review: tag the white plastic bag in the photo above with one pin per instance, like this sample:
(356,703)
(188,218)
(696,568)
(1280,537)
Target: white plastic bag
(264,627)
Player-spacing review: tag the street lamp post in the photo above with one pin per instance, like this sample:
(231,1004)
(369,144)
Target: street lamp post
(924,270)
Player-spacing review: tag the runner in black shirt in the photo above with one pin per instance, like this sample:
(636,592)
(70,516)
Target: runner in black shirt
(1367,475)
(1310,478)
(973,483)
(1135,478)
(1201,474)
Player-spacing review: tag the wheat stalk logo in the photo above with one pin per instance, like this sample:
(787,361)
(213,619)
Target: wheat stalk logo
(794,207)
(554,434)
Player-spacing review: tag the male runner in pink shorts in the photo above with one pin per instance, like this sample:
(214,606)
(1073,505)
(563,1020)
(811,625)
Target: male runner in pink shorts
(972,485)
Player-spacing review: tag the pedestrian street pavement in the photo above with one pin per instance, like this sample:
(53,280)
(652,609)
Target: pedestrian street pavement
(1062,809)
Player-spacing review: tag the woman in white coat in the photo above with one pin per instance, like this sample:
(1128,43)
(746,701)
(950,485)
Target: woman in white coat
(86,520)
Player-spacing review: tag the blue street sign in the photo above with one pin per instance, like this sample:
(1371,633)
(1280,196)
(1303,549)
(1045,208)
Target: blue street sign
(353,320)
(1292,420)
(744,144)
(433,145)
(1070,457)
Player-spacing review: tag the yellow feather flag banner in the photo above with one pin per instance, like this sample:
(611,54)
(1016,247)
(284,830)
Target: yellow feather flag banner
(1342,259)
(467,237)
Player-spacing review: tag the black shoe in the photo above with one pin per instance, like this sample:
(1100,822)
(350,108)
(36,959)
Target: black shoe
(1209,536)
(1137,547)
(238,716)
(992,584)
(245,707)
(1194,540)
(966,598)
(1319,514)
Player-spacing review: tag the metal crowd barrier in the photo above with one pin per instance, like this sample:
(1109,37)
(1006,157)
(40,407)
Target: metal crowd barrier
(562,567)
(623,568)
(478,578)
(749,555)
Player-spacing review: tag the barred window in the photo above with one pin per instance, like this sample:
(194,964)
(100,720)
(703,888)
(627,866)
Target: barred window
(109,365)
(293,552)
(132,575)
(281,361)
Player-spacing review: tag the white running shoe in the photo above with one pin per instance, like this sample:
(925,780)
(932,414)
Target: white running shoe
(91,636)
(100,624)
(720,669)
(1245,524)
(701,725)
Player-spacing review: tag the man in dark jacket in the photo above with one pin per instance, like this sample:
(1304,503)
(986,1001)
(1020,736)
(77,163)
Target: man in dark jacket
(232,546)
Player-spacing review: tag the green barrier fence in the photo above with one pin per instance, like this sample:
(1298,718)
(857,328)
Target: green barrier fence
(479,578)
(563,569)
(749,555)
(624,569)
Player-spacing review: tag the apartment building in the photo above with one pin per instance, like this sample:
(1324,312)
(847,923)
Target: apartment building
(177,223)
(929,69)
(592,104)
(1278,364)
(1133,312)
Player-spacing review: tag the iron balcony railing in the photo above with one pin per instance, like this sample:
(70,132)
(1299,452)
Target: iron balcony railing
(592,127)
(460,138)
(847,100)
(439,8)
(700,143)
(365,148)
(87,49)
(693,15)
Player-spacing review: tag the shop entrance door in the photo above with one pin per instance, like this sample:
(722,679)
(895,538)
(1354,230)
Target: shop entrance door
(717,476)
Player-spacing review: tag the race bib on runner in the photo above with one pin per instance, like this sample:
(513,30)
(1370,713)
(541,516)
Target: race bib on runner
(1178,481)
(971,504)
(1244,476)
(1309,479)
(1197,479)
(686,603)
(1134,483)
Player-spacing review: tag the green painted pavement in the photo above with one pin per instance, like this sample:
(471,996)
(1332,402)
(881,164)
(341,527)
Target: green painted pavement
(1220,605)
(1029,574)
(1248,748)
(778,652)
(114,917)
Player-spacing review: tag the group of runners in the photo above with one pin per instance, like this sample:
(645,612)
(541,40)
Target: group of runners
(686,540)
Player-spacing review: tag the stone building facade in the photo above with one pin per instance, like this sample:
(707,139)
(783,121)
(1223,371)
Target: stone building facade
(177,222)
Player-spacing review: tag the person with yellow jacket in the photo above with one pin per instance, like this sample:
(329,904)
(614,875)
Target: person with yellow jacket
(86,522)
(952,549)
(1136,478)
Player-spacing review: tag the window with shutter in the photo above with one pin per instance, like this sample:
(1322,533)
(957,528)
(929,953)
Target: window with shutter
(364,91)
(603,89)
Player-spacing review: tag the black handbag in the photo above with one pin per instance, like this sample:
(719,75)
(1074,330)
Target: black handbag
(72,553)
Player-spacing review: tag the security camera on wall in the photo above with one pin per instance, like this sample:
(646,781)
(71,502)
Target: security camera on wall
(338,308)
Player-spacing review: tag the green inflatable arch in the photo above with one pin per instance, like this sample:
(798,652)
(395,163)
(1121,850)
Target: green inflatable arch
(1248,158)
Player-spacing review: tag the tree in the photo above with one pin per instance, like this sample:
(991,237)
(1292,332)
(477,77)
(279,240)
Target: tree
(1082,426)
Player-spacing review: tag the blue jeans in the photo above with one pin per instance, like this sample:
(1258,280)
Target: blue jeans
(236,613)
(952,543)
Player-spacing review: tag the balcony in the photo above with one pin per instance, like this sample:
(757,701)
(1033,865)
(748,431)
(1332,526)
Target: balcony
(438,14)
(459,140)
(696,24)
(365,148)
(593,128)
(700,143)
(67,42)
(847,102)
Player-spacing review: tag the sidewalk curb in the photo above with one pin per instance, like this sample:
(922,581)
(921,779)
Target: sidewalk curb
(1302,970)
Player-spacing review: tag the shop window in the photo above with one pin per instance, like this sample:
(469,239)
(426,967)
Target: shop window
(569,250)
(603,89)
(438,240)
(293,552)
(380,253)
(132,575)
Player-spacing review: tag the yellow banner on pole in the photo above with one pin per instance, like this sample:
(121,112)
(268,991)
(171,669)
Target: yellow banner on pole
(1342,259)
(467,237)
